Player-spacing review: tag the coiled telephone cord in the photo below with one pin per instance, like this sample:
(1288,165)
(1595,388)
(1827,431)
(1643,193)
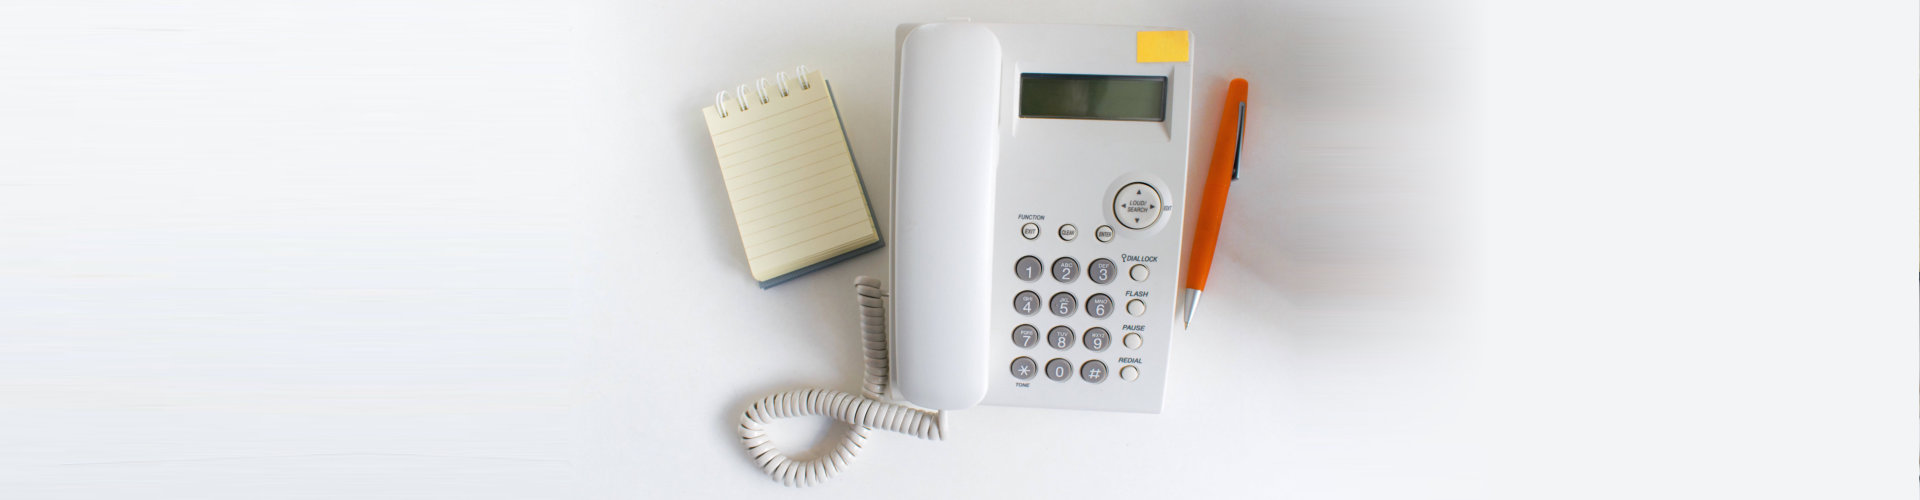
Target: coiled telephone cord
(863,412)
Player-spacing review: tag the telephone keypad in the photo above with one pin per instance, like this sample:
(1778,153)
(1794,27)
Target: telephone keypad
(1059,370)
(1026,303)
(1027,268)
(1062,304)
(1060,337)
(1026,336)
(1065,270)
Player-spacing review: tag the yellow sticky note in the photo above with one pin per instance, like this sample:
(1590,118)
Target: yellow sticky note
(1161,46)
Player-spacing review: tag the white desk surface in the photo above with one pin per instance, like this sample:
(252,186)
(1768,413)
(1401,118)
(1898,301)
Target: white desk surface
(457,250)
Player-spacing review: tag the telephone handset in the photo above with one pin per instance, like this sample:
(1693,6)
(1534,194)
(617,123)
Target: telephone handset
(947,138)
(1012,143)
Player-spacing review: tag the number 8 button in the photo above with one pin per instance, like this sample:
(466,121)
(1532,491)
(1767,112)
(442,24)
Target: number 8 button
(1060,337)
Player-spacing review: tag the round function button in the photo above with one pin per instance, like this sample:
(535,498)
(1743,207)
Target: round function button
(1059,370)
(1136,307)
(1065,269)
(1025,336)
(1030,231)
(1062,304)
(1097,339)
(1136,205)
(1132,341)
(1138,273)
(1104,233)
(1099,305)
(1068,232)
(1101,271)
(1027,268)
(1060,337)
(1093,371)
(1026,302)
(1023,368)
(1129,372)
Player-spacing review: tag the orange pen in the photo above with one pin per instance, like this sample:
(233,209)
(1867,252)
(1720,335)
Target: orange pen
(1213,201)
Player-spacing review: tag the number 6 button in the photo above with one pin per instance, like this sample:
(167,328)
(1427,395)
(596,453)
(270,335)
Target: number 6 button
(1099,305)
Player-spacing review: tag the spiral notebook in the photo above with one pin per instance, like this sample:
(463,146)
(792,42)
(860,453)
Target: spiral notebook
(796,194)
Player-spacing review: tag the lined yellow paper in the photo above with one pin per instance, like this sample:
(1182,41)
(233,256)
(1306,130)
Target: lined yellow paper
(795,192)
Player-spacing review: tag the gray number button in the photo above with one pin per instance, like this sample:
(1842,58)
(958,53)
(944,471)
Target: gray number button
(1027,302)
(1065,270)
(1060,337)
(1023,367)
(1099,305)
(1026,336)
(1093,371)
(1027,268)
(1059,370)
(1102,271)
(1062,304)
(1097,339)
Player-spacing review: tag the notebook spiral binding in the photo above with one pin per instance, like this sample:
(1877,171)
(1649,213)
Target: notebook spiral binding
(760,90)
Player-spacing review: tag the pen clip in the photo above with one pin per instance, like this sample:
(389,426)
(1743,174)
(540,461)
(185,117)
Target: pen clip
(1239,137)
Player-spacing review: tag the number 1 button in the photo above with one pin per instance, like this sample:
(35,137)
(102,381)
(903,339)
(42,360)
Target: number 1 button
(1027,268)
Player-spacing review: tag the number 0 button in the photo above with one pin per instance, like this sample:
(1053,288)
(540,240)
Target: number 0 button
(1059,370)
(1027,268)
(1026,302)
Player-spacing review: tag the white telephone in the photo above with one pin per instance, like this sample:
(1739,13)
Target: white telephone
(1039,177)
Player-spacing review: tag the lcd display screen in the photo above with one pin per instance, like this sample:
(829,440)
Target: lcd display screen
(1093,97)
